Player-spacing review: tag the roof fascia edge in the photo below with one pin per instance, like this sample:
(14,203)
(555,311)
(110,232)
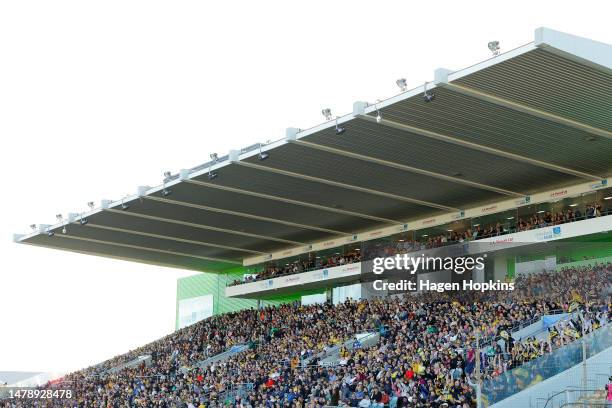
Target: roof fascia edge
(592,53)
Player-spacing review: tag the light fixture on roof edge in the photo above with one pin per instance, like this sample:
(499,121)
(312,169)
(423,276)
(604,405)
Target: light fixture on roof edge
(84,221)
(213,159)
(33,226)
(327,113)
(165,192)
(339,128)
(494,47)
(91,205)
(124,206)
(262,155)
(402,84)
(428,96)
(64,230)
(50,233)
(378,115)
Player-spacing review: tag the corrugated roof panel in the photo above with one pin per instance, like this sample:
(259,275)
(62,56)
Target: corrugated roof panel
(386,143)
(548,82)
(483,123)
(377,177)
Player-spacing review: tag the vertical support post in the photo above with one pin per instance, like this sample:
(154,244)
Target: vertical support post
(584,363)
(478,373)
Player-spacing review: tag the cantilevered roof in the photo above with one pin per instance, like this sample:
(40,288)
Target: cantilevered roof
(532,119)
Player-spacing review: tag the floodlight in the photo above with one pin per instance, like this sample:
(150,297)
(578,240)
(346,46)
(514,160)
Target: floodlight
(429,96)
(494,47)
(339,128)
(327,113)
(91,205)
(402,84)
(263,155)
(84,221)
(33,226)
(59,217)
(165,192)
(378,115)
(211,174)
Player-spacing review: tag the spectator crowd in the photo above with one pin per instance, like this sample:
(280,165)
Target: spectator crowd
(426,355)
(301,265)
(539,219)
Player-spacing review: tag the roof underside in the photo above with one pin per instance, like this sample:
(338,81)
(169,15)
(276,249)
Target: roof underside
(519,124)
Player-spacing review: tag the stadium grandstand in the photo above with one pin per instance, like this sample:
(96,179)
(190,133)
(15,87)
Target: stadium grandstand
(509,159)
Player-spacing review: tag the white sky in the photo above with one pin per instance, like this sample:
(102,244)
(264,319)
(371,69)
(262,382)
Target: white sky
(97,98)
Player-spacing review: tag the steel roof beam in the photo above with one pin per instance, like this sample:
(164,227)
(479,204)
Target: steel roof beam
(120,258)
(290,201)
(143,248)
(205,227)
(403,167)
(475,146)
(176,239)
(241,214)
(348,187)
(442,81)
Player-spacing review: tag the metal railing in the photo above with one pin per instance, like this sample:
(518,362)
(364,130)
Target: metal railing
(288,273)
(513,228)
(235,349)
(419,246)
(564,397)
(348,344)
(147,359)
(487,341)
(549,365)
